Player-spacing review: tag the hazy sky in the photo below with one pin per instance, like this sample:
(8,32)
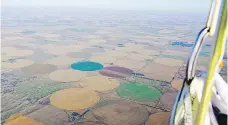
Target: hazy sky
(170,5)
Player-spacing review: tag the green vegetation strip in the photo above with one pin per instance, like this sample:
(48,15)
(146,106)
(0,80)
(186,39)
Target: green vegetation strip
(139,92)
(35,91)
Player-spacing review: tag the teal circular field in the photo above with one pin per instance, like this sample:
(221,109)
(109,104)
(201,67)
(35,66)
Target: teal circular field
(86,66)
(138,92)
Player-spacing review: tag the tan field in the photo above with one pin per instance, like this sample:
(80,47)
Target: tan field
(89,70)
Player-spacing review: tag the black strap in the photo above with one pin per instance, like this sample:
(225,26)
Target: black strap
(221,118)
(188,81)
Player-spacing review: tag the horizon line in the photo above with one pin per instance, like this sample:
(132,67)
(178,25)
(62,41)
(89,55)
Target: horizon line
(102,8)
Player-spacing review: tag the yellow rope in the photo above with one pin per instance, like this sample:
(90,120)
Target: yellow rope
(218,51)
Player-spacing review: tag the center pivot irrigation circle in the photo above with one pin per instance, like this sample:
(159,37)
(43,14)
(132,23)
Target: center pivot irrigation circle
(86,66)
(160,118)
(67,75)
(120,112)
(167,99)
(139,92)
(99,83)
(74,99)
(36,69)
(116,72)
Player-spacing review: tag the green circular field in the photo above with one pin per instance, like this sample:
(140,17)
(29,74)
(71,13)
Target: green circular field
(138,92)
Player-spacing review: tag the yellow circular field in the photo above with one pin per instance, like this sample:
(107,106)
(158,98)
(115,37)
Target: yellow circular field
(74,98)
(66,75)
(18,119)
(160,118)
(99,83)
